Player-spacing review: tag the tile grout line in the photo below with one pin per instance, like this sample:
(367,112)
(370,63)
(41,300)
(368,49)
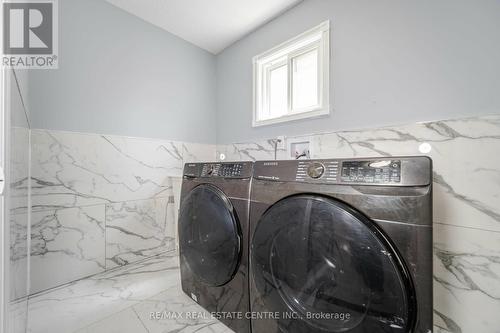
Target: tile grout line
(49,290)
(118,136)
(466,227)
(105,238)
(139,318)
(134,302)
(96,204)
(105,318)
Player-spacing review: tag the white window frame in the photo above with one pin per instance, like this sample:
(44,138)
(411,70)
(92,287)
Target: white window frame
(317,38)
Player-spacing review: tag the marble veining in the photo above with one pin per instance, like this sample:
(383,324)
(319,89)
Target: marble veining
(138,229)
(466,162)
(120,300)
(18,221)
(466,279)
(66,244)
(196,152)
(18,234)
(252,151)
(173,300)
(464,153)
(133,182)
(82,169)
(74,169)
(18,231)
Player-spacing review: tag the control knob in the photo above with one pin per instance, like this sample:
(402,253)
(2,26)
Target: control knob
(210,170)
(315,170)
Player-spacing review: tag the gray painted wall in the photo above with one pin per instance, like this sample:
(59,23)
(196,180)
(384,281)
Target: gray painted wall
(120,75)
(392,62)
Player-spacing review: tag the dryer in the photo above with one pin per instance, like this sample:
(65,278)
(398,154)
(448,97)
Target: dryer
(213,239)
(342,245)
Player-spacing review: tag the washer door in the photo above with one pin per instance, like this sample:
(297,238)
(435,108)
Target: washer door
(327,268)
(209,236)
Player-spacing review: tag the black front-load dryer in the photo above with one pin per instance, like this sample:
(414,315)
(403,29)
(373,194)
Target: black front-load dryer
(213,239)
(341,246)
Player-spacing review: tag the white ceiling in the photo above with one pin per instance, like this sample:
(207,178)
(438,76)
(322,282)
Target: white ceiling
(210,24)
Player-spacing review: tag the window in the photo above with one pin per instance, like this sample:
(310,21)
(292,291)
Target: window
(291,80)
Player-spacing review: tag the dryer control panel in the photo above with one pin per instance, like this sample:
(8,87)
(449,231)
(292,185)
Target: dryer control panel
(394,171)
(378,171)
(218,170)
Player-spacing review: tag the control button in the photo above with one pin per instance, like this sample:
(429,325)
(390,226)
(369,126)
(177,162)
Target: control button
(315,170)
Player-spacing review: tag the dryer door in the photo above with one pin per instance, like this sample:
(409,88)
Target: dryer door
(209,236)
(327,268)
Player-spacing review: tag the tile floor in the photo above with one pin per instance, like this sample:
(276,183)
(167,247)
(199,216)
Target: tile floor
(123,300)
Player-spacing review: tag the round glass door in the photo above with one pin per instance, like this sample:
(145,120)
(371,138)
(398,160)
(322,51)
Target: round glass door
(209,236)
(327,268)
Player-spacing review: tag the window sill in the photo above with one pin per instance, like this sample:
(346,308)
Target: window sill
(291,117)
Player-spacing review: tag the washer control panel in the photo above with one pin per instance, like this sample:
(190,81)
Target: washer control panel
(376,171)
(218,170)
(222,170)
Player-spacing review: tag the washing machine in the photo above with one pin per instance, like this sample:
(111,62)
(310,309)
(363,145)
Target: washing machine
(341,245)
(213,239)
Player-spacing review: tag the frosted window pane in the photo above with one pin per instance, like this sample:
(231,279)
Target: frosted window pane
(278,92)
(305,80)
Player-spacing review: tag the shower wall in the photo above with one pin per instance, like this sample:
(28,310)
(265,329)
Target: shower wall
(18,204)
(102,201)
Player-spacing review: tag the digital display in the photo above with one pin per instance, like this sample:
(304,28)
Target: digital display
(374,171)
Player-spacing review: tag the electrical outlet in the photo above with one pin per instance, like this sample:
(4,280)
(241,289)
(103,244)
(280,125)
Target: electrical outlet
(300,147)
(300,150)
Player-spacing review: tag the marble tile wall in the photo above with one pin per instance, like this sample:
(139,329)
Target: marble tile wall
(17,194)
(138,229)
(102,201)
(18,229)
(466,156)
(70,241)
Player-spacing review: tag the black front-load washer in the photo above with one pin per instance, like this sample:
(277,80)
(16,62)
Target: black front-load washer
(213,239)
(341,246)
